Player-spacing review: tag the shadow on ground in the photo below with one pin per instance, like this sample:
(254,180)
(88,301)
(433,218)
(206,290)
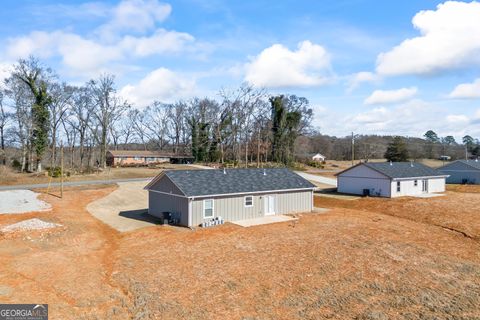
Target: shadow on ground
(140,215)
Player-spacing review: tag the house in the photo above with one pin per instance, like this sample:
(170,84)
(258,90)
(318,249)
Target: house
(462,171)
(319,157)
(198,196)
(390,179)
(136,157)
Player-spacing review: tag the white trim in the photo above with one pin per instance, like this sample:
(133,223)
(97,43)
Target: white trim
(419,178)
(245,202)
(213,208)
(190,209)
(170,194)
(254,192)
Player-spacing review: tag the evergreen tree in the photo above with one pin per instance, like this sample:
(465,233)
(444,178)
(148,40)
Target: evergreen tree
(397,150)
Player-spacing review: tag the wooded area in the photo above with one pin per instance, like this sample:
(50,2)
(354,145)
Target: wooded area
(39,113)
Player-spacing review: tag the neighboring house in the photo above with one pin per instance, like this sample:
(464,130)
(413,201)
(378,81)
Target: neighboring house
(135,157)
(462,171)
(390,179)
(319,157)
(197,196)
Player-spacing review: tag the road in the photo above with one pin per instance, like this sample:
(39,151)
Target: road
(71,183)
(319,179)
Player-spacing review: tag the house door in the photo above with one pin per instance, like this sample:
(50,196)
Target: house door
(269,205)
(425,186)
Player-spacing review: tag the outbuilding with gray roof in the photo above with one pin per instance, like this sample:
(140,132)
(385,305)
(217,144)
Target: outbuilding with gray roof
(197,196)
(390,179)
(462,171)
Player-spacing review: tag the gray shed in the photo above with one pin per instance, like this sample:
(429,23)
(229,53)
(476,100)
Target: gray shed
(196,196)
(462,171)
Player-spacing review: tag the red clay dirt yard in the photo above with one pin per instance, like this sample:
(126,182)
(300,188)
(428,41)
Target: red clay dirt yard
(364,259)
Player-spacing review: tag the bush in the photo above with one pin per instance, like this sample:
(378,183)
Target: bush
(54,172)
(316,164)
(16,165)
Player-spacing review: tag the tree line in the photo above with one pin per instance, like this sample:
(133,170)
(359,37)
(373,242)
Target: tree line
(39,113)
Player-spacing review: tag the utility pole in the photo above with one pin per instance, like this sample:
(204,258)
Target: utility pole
(61,171)
(353,148)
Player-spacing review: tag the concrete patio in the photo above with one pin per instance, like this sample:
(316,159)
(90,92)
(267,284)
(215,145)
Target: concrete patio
(263,220)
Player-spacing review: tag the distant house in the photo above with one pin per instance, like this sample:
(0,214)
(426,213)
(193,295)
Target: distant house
(319,157)
(136,157)
(462,171)
(197,196)
(390,179)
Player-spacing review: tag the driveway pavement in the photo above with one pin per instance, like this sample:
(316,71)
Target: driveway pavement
(125,209)
(319,179)
(72,183)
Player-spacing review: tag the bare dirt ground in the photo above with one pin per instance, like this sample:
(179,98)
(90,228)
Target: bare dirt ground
(10,177)
(343,264)
(458,211)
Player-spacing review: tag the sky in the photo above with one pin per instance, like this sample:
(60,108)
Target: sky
(371,67)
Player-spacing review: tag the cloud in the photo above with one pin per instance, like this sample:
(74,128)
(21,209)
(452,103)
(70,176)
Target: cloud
(5,70)
(135,16)
(466,90)
(358,78)
(391,96)
(457,118)
(162,41)
(277,66)
(159,85)
(449,40)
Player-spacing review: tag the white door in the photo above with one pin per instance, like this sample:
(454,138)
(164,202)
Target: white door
(269,205)
(425,186)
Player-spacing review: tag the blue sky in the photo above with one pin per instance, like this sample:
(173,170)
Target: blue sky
(379,67)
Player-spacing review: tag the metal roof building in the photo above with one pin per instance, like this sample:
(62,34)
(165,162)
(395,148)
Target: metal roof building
(196,196)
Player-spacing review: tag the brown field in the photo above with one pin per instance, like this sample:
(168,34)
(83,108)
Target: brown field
(9,177)
(369,259)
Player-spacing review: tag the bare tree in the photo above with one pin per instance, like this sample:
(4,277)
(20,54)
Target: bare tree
(5,118)
(61,95)
(107,108)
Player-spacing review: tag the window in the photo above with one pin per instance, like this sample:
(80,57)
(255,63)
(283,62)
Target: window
(138,158)
(415,183)
(208,208)
(248,201)
(398,186)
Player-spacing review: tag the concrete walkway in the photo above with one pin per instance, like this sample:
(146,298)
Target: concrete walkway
(319,179)
(263,220)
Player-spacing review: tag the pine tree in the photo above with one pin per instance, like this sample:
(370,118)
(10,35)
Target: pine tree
(397,150)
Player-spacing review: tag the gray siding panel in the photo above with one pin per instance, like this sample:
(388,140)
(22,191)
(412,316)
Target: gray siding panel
(232,208)
(159,203)
(166,185)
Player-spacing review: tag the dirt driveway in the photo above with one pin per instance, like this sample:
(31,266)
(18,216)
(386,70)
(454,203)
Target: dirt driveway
(125,209)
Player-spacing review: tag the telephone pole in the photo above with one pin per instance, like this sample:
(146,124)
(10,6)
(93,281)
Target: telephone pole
(353,148)
(61,171)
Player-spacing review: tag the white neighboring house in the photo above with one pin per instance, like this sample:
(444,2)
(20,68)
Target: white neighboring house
(319,157)
(390,179)
(462,171)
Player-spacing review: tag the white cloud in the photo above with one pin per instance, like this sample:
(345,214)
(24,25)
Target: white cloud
(466,90)
(358,78)
(162,41)
(87,56)
(5,70)
(277,66)
(449,40)
(136,16)
(391,96)
(162,85)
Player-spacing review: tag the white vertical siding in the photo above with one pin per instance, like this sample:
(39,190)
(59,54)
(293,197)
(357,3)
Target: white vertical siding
(361,177)
(408,188)
(159,203)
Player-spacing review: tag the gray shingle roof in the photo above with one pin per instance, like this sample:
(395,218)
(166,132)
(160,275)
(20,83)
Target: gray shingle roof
(194,183)
(397,170)
(472,163)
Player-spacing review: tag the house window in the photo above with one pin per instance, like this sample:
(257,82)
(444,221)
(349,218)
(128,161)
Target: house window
(138,158)
(398,186)
(415,183)
(208,208)
(248,201)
